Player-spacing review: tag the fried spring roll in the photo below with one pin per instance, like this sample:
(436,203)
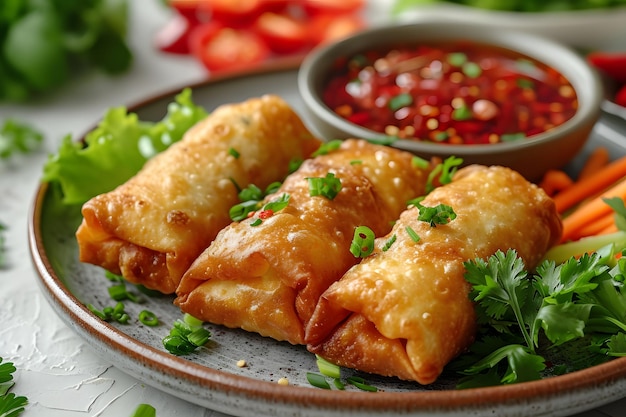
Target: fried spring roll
(405,312)
(268,278)
(151,228)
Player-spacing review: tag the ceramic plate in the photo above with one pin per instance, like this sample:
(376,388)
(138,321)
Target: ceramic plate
(211,377)
(589,29)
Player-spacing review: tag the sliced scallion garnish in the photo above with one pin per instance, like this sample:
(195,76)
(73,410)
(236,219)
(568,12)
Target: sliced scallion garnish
(362,242)
(317,380)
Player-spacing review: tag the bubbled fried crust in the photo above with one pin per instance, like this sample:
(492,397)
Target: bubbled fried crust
(268,278)
(153,226)
(415,293)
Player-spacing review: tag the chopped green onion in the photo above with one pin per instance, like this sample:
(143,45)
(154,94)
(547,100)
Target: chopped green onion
(192,321)
(328,186)
(119,292)
(199,337)
(327,368)
(472,69)
(109,313)
(389,242)
(317,380)
(148,318)
(96,312)
(511,137)
(113,277)
(441,136)
(415,201)
(186,336)
(233,152)
(279,204)
(412,234)
(273,187)
(144,410)
(240,211)
(338,384)
(294,164)
(383,140)
(456,59)
(440,214)
(462,113)
(356,162)
(363,242)
(525,83)
(418,162)
(328,147)
(251,192)
(361,384)
(400,101)
(256,222)
(445,170)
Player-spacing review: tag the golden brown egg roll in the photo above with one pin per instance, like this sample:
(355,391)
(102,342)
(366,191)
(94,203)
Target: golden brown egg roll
(268,278)
(405,312)
(151,228)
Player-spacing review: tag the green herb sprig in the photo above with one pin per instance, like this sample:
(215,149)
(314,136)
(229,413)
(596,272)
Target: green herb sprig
(11,405)
(18,137)
(526,316)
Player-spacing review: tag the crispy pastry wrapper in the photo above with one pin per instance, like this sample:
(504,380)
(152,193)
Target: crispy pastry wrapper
(268,278)
(151,228)
(405,312)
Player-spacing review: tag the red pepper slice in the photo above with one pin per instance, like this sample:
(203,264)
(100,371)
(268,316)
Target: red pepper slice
(611,63)
(283,33)
(222,48)
(620,97)
(334,7)
(326,28)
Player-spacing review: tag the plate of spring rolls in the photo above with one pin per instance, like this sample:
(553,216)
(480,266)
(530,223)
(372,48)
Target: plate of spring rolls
(281,284)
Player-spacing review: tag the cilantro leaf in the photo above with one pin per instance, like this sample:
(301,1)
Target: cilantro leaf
(520,362)
(500,286)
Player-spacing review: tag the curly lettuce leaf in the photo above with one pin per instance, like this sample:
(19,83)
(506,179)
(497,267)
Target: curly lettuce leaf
(116,149)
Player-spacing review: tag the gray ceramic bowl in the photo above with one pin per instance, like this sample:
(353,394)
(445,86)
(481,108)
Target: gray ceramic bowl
(531,157)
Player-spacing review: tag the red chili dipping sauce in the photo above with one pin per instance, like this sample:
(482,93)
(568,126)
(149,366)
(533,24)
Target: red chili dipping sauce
(456,93)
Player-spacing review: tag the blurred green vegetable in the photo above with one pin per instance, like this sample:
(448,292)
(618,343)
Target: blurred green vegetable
(43,42)
(516,5)
(16,136)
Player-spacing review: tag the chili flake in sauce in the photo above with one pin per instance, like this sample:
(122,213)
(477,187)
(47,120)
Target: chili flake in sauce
(456,93)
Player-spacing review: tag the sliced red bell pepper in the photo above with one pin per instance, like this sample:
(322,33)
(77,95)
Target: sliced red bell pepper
(612,64)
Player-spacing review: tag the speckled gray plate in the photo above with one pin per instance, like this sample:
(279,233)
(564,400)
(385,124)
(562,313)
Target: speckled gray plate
(211,377)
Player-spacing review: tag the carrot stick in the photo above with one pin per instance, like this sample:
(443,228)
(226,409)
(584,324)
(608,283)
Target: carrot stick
(595,227)
(598,159)
(555,181)
(591,210)
(591,185)
(612,228)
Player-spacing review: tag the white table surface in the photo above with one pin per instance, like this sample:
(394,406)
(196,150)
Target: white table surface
(58,372)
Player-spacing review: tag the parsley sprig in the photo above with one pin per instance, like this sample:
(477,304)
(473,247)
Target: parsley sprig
(10,404)
(526,316)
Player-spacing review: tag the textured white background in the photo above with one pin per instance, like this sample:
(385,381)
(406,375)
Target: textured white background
(57,371)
